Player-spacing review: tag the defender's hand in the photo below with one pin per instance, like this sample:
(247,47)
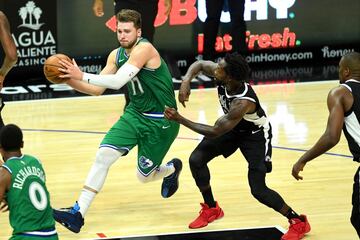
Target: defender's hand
(184,93)
(171,114)
(298,166)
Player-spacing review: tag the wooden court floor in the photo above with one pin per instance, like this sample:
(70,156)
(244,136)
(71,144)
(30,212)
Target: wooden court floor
(65,133)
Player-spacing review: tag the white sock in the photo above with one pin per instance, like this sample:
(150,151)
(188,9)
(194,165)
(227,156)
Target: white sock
(160,173)
(85,200)
(164,171)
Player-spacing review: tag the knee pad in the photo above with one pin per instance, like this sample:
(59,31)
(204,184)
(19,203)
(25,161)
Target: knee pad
(106,156)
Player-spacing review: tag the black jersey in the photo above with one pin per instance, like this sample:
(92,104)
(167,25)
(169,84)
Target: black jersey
(351,126)
(250,122)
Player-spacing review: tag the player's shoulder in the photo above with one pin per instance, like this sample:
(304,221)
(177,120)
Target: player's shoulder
(114,52)
(340,89)
(144,50)
(339,92)
(144,45)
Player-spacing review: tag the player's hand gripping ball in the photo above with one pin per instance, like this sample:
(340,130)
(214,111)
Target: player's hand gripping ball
(51,68)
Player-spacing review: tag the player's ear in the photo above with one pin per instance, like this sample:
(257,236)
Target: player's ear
(347,72)
(22,144)
(139,32)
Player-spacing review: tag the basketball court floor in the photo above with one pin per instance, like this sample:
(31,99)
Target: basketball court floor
(65,133)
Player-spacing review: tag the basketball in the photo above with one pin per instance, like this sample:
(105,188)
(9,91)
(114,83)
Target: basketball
(51,66)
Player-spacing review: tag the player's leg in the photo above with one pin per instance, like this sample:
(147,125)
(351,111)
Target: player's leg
(256,149)
(148,10)
(95,180)
(157,135)
(355,214)
(199,158)
(117,142)
(124,4)
(238,26)
(211,27)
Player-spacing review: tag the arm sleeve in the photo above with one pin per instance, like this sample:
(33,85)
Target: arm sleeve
(113,81)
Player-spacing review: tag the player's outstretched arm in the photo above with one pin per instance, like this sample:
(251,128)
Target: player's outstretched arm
(332,134)
(207,67)
(223,125)
(93,90)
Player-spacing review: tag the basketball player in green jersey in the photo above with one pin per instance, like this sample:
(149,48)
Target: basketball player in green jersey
(138,64)
(23,190)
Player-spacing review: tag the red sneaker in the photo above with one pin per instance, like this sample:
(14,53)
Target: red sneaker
(207,215)
(297,229)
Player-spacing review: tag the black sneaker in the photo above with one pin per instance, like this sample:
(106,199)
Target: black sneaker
(171,183)
(70,218)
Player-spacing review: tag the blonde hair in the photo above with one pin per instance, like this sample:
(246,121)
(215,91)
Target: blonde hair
(129,15)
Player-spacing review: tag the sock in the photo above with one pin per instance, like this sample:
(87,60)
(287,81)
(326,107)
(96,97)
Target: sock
(164,171)
(208,197)
(292,214)
(160,173)
(85,200)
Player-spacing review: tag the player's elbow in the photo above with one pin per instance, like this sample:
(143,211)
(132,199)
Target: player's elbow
(214,133)
(13,57)
(98,91)
(332,139)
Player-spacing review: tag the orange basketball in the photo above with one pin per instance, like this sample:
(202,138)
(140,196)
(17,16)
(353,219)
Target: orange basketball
(51,66)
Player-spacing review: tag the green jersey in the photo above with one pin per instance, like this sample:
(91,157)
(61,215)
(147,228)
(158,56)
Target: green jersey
(151,89)
(28,199)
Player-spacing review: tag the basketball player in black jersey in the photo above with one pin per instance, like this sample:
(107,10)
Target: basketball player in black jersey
(344,114)
(244,126)
(9,48)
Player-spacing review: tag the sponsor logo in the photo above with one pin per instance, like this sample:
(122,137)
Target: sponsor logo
(284,39)
(165,127)
(30,15)
(274,57)
(253,132)
(332,53)
(33,44)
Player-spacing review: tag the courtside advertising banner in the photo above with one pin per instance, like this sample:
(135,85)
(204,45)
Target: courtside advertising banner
(33,27)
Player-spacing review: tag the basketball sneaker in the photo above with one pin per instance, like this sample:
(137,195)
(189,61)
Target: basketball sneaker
(170,183)
(70,218)
(297,228)
(207,215)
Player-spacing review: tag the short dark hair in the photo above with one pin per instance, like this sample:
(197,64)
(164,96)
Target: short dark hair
(237,67)
(352,60)
(129,15)
(11,138)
